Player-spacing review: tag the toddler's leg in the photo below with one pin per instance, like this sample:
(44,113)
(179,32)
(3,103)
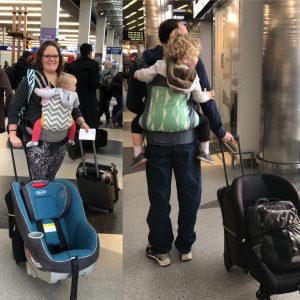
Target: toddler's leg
(139,157)
(203,130)
(36,132)
(71,133)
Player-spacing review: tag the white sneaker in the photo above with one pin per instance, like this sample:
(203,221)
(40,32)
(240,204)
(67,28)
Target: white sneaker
(162,259)
(186,256)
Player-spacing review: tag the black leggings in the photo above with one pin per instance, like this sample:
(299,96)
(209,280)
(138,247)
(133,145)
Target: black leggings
(135,126)
(203,129)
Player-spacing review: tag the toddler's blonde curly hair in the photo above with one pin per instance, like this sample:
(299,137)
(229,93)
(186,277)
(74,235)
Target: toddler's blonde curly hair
(181,46)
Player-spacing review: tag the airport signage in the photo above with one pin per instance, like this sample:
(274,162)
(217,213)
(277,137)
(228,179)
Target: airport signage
(136,36)
(114,50)
(182,14)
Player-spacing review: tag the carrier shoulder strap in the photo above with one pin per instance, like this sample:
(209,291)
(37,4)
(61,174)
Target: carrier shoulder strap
(33,77)
(31,82)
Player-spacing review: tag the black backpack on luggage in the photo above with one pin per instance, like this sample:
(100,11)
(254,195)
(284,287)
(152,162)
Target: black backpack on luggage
(235,201)
(274,233)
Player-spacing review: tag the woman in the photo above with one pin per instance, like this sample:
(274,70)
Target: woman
(45,159)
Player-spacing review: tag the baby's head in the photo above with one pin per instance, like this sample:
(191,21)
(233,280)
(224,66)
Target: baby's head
(67,81)
(182,49)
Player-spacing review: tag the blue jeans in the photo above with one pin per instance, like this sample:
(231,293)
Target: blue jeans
(187,171)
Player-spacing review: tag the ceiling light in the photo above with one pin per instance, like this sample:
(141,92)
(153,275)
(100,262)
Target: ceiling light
(129,4)
(131,27)
(69,23)
(130,22)
(20,2)
(29,8)
(140,8)
(142,17)
(132,14)
(183,6)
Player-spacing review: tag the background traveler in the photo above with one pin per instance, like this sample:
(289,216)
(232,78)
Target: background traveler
(19,69)
(85,69)
(106,77)
(117,92)
(6,95)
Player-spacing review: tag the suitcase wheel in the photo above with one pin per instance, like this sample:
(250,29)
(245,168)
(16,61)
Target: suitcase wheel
(227,262)
(262,294)
(107,180)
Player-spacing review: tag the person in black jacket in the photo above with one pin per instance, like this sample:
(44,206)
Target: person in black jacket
(19,69)
(5,89)
(116,87)
(86,71)
(169,153)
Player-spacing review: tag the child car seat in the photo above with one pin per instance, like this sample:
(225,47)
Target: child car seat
(58,240)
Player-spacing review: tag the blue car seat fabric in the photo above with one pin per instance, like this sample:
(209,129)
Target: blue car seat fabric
(53,205)
(47,203)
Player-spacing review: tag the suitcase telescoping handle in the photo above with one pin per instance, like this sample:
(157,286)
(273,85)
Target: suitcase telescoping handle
(83,155)
(14,162)
(237,138)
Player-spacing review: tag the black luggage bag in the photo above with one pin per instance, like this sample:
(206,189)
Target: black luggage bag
(97,184)
(234,200)
(14,233)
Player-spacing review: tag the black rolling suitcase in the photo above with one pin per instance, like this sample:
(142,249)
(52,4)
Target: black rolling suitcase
(97,184)
(234,200)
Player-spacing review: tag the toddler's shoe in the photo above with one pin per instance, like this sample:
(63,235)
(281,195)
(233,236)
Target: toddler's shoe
(139,160)
(71,142)
(31,144)
(205,157)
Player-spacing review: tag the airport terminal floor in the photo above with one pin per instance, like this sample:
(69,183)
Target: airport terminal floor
(123,271)
(105,280)
(205,276)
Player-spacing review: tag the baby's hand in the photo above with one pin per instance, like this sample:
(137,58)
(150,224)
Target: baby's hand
(211,94)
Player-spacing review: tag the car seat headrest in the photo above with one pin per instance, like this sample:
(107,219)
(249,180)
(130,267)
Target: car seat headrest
(46,200)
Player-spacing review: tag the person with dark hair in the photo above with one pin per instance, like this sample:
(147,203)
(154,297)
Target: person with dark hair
(19,69)
(167,153)
(86,71)
(5,90)
(45,159)
(106,77)
(117,92)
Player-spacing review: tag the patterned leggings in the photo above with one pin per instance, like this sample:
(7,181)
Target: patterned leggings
(44,161)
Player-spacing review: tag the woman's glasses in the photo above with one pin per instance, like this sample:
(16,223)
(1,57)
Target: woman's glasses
(48,56)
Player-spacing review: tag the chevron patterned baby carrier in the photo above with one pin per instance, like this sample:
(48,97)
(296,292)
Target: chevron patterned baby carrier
(55,116)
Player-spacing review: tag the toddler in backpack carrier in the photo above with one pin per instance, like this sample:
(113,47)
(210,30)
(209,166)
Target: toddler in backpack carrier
(274,232)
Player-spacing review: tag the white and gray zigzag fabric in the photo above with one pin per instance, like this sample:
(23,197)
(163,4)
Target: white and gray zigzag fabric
(56,117)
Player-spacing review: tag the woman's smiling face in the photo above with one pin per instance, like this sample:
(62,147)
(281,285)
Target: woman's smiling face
(50,59)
